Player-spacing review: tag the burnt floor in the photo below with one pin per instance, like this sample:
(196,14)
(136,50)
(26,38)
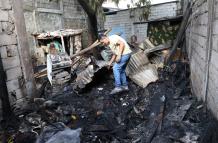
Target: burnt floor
(164,112)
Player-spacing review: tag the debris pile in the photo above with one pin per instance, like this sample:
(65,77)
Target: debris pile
(140,70)
(59,133)
(60,77)
(163,112)
(57,46)
(144,63)
(85,70)
(58,68)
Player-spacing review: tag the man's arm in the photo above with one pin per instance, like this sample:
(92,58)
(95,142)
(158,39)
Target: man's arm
(121,46)
(112,60)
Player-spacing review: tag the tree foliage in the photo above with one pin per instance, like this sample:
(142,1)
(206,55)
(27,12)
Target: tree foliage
(92,8)
(143,6)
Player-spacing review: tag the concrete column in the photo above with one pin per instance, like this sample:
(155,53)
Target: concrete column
(23,47)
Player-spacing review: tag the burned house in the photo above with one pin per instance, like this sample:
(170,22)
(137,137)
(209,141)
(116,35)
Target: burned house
(166,79)
(36,17)
(53,51)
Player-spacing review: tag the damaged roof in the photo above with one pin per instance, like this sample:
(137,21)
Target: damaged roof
(58,33)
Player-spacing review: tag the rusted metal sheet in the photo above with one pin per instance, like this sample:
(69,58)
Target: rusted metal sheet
(140,70)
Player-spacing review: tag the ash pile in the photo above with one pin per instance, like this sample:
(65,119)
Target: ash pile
(158,108)
(81,74)
(164,112)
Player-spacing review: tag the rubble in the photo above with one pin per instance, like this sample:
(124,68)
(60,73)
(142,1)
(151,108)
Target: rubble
(157,108)
(85,72)
(58,68)
(73,104)
(57,46)
(150,114)
(59,133)
(143,64)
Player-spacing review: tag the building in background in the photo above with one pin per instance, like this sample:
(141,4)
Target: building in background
(162,23)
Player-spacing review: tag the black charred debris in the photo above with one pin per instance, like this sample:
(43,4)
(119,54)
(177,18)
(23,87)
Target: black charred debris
(163,112)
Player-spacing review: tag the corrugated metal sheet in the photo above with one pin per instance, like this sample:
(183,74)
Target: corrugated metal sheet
(136,61)
(140,70)
(146,75)
(86,76)
(157,60)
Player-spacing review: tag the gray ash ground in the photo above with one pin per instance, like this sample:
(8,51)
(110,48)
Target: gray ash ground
(130,117)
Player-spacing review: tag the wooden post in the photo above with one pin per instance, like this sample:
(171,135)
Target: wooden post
(71,45)
(77,43)
(62,42)
(180,32)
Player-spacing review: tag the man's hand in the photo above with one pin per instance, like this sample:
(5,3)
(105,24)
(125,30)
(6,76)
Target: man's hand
(113,58)
(118,58)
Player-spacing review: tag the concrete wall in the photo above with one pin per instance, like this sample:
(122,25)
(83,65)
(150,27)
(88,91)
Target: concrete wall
(19,76)
(127,19)
(197,46)
(45,15)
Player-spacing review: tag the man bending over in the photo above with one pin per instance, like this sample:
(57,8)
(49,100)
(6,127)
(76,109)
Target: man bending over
(121,54)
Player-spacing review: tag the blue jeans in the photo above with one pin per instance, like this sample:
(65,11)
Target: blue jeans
(119,71)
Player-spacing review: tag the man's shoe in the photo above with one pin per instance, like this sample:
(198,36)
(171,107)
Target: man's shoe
(125,88)
(116,90)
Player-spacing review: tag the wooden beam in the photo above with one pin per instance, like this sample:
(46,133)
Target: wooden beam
(180,32)
(95,44)
(86,49)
